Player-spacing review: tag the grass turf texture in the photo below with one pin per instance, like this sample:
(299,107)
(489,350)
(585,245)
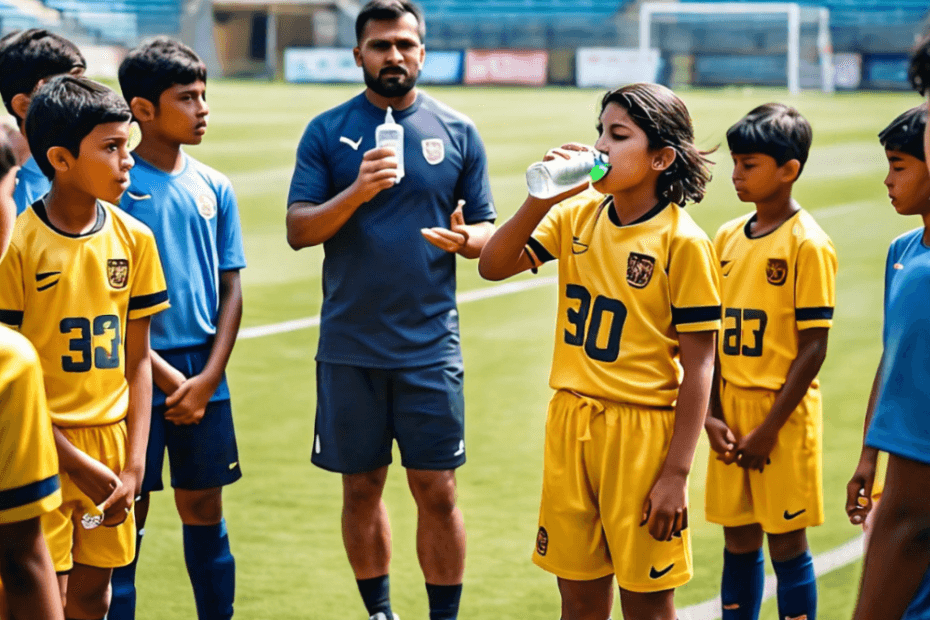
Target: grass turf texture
(284,514)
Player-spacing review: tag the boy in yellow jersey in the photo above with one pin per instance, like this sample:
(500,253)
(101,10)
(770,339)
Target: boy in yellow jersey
(81,281)
(29,485)
(637,297)
(778,287)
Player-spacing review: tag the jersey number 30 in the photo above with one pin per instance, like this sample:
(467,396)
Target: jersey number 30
(82,342)
(588,337)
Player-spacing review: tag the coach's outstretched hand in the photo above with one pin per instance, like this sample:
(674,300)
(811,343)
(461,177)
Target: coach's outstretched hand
(666,507)
(859,491)
(452,239)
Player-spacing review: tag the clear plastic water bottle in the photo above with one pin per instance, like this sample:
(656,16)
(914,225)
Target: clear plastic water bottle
(546,179)
(390,134)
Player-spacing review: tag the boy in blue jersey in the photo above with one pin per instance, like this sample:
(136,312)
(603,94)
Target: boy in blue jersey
(27,60)
(895,581)
(192,210)
(389,364)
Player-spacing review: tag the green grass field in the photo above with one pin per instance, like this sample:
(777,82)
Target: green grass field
(284,514)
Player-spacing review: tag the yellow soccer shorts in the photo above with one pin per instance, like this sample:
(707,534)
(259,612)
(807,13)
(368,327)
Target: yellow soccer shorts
(601,459)
(69,542)
(788,494)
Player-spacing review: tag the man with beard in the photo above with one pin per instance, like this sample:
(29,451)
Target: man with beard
(389,363)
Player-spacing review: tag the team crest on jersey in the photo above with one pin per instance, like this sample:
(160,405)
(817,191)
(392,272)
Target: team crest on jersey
(434,151)
(206,206)
(118,272)
(639,268)
(776,271)
(542,541)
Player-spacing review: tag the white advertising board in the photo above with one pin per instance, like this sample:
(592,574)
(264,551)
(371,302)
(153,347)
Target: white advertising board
(609,67)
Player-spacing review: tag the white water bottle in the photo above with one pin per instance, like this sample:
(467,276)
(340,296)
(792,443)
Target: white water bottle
(546,179)
(391,135)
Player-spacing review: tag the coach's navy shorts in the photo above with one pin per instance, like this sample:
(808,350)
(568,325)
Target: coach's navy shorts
(201,456)
(360,411)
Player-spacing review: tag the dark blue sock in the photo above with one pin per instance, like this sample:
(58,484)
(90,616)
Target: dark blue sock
(797,588)
(212,569)
(376,594)
(743,585)
(123,583)
(443,601)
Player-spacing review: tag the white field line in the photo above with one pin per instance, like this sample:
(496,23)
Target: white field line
(482,293)
(824,563)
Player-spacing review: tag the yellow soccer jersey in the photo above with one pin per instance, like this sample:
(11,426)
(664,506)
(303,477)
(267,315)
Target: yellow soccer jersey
(72,296)
(772,286)
(625,292)
(29,483)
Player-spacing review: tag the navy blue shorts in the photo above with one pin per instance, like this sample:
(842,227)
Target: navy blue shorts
(201,456)
(360,411)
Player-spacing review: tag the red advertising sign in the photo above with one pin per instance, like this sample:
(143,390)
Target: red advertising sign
(506,67)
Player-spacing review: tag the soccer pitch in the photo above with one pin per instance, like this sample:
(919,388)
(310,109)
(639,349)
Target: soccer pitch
(284,514)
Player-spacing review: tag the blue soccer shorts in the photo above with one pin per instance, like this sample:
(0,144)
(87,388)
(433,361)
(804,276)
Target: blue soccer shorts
(201,456)
(361,411)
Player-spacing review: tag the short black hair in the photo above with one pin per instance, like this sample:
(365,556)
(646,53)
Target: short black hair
(30,56)
(7,157)
(906,133)
(156,65)
(665,120)
(918,72)
(773,129)
(64,111)
(388,10)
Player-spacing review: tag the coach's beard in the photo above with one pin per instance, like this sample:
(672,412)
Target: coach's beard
(391,84)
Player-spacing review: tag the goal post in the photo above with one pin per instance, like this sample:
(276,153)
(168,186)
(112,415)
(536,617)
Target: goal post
(795,17)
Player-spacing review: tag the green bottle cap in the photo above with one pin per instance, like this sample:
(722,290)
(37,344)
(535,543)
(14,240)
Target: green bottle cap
(599,171)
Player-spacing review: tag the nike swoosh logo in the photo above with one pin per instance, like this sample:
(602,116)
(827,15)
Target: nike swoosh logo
(233,465)
(657,574)
(578,247)
(792,515)
(139,196)
(461,449)
(723,264)
(45,276)
(354,145)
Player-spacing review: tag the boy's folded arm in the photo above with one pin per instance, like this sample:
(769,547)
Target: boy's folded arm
(138,415)
(92,477)
(755,447)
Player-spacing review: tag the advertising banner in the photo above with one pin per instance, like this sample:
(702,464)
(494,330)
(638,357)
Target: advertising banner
(442,68)
(320,64)
(610,67)
(506,67)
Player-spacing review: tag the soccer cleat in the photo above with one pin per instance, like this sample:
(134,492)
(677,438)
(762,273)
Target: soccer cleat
(380,616)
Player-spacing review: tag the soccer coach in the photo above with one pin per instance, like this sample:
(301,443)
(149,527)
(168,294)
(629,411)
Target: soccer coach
(389,362)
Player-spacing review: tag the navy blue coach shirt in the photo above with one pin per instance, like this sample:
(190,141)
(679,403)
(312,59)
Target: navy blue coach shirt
(389,294)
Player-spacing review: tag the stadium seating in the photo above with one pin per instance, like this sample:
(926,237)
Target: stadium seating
(522,23)
(122,21)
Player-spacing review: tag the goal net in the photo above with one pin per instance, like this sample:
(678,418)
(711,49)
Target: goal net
(751,43)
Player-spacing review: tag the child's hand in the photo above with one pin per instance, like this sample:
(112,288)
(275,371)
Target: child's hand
(722,439)
(95,480)
(752,451)
(118,505)
(567,151)
(188,404)
(859,493)
(666,507)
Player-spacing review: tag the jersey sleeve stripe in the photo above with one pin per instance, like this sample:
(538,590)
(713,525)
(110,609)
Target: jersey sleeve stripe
(813,314)
(147,301)
(540,251)
(27,494)
(13,318)
(697,314)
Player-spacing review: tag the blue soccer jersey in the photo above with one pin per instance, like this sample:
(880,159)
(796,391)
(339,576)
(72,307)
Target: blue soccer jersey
(195,218)
(31,184)
(388,294)
(900,424)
